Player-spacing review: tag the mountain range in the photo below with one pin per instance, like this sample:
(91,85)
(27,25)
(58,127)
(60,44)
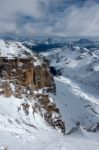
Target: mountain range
(49,94)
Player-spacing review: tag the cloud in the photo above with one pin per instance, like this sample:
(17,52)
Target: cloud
(49,17)
(10,8)
(79,21)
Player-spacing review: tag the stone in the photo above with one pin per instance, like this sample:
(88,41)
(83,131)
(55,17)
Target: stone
(20,77)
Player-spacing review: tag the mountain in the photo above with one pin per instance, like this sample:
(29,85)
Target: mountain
(25,84)
(47,44)
(86,43)
(48,99)
(76,71)
(38,46)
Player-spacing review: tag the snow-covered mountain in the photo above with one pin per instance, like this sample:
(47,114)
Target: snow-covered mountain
(76,62)
(31,108)
(26,108)
(77,84)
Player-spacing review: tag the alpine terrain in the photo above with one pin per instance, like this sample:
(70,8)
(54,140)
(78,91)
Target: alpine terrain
(49,97)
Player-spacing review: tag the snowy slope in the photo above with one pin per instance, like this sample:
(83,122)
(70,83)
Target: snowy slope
(77,85)
(77,105)
(17,132)
(12,49)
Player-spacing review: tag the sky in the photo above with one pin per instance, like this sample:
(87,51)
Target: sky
(49,17)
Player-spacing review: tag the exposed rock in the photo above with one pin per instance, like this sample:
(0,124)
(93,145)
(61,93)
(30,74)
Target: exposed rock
(49,111)
(30,78)
(24,71)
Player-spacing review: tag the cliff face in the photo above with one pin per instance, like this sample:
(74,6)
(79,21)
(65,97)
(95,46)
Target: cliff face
(30,78)
(26,71)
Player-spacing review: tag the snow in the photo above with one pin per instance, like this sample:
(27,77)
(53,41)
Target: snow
(12,49)
(73,102)
(50,140)
(77,63)
(76,97)
(37,63)
(96,68)
(16,133)
(77,88)
(77,94)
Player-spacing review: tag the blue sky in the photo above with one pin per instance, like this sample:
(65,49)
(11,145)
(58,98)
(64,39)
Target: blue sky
(50,17)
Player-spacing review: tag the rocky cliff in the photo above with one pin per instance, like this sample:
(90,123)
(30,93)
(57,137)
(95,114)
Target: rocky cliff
(29,77)
(26,72)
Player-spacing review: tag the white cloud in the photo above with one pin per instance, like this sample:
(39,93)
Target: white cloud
(81,21)
(9,8)
(73,21)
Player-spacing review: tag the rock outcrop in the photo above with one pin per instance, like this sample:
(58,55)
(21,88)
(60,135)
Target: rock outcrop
(30,78)
(26,73)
